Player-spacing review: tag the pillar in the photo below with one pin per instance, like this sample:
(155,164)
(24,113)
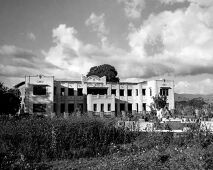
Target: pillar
(89,103)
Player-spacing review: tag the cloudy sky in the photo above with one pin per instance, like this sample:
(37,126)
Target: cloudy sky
(142,39)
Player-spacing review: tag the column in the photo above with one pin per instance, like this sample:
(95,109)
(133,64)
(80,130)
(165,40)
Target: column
(126,98)
(109,89)
(75,94)
(105,106)
(89,103)
(98,107)
(58,98)
(140,101)
(85,97)
(118,100)
(134,108)
(113,106)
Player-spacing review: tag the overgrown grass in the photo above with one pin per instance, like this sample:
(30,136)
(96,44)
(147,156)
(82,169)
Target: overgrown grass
(36,140)
(98,144)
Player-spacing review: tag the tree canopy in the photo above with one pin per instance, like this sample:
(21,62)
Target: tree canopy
(104,70)
(159,101)
(10,100)
(197,103)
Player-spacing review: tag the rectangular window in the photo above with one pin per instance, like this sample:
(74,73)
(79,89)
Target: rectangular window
(80,92)
(109,107)
(70,92)
(144,106)
(129,107)
(137,107)
(62,107)
(39,108)
(62,91)
(136,92)
(150,91)
(95,107)
(144,92)
(113,91)
(164,92)
(39,90)
(55,90)
(121,92)
(129,92)
(161,92)
(80,107)
(102,107)
(54,108)
(116,106)
(70,107)
(122,107)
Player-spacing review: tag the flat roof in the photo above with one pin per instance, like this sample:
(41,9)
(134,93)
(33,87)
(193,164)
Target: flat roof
(77,81)
(66,80)
(19,84)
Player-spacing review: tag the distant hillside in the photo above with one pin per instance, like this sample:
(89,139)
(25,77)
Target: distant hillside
(185,97)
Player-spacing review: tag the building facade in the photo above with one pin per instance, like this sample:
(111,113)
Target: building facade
(92,95)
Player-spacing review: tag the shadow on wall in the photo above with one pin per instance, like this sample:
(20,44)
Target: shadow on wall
(38,104)
(69,101)
(73,102)
(123,110)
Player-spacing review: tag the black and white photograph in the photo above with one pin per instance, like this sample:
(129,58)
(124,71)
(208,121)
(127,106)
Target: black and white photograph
(106,84)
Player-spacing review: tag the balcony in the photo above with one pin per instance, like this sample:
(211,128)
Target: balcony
(101,96)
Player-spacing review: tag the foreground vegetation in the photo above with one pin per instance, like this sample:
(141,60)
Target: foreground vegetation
(92,143)
(34,140)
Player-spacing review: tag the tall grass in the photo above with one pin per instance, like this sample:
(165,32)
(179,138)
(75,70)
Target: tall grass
(37,140)
(28,141)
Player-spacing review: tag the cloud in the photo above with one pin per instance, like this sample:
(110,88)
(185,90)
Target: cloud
(97,23)
(202,3)
(177,42)
(203,86)
(17,62)
(168,43)
(68,52)
(76,57)
(133,8)
(31,36)
(181,41)
(172,1)
(66,37)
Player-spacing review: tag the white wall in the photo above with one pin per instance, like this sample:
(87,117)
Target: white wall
(170,97)
(100,99)
(31,99)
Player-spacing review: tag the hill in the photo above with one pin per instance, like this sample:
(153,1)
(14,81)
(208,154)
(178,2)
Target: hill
(185,97)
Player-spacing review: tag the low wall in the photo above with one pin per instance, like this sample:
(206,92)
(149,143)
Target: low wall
(206,125)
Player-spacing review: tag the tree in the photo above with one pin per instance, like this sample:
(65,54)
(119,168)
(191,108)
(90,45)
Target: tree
(159,101)
(197,102)
(189,107)
(158,105)
(104,70)
(10,100)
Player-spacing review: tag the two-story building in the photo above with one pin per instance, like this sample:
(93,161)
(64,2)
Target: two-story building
(45,95)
